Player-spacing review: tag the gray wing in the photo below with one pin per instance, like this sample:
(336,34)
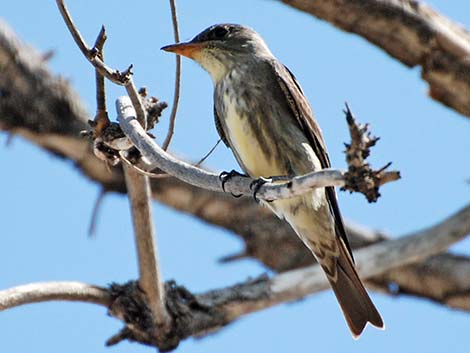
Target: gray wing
(303,114)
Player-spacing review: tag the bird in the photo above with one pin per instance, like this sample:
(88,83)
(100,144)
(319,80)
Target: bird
(263,116)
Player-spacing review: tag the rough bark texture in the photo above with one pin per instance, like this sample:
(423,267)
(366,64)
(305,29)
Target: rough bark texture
(411,32)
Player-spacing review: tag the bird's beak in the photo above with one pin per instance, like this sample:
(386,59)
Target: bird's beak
(187,49)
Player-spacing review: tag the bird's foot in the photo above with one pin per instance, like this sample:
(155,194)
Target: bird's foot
(257,184)
(226,176)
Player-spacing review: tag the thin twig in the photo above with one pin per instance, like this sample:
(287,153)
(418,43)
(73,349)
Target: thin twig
(162,174)
(100,88)
(134,95)
(113,75)
(149,272)
(176,95)
(95,212)
(198,164)
(121,78)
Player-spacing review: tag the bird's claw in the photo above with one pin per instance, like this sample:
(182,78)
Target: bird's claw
(226,176)
(257,184)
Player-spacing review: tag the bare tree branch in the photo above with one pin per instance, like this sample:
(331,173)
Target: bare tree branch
(195,315)
(149,273)
(444,279)
(120,78)
(47,291)
(274,243)
(411,32)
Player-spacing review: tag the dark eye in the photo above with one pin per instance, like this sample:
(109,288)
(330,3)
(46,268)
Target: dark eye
(219,33)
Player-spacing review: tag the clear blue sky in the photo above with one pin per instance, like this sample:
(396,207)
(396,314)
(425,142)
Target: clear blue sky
(46,204)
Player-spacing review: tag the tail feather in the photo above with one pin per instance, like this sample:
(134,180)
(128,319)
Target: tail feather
(355,303)
(324,235)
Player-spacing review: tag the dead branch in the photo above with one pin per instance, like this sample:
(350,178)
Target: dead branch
(360,177)
(149,270)
(196,315)
(123,78)
(47,291)
(411,32)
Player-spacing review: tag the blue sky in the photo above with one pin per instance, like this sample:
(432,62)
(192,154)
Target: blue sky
(46,204)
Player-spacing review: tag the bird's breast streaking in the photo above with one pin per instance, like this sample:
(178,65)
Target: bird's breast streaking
(255,159)
(259,140)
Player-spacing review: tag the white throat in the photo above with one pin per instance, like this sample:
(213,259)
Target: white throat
(212,65)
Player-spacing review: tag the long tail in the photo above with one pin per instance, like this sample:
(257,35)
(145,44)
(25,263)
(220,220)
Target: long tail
(317,229)
(356,304)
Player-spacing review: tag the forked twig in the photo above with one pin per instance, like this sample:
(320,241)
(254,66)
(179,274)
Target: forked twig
(123,78)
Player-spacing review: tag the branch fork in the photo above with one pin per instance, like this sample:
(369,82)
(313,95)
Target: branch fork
(108,138)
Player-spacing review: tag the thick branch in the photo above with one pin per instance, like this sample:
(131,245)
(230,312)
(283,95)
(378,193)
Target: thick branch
(411,32)
(204,313)
(200,314)
(273,242)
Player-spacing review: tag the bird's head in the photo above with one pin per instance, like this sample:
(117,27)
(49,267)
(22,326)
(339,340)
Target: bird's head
(220,47)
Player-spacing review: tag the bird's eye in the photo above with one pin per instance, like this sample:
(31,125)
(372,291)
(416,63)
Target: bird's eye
(219,32)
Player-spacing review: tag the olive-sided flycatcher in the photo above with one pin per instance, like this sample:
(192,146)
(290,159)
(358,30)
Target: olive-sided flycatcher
(261,113)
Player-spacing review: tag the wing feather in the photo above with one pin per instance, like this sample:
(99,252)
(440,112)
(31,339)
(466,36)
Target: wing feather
(303,114)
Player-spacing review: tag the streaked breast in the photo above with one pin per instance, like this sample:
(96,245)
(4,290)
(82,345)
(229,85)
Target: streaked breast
(246,138)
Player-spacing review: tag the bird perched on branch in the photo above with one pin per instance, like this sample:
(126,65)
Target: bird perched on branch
(262,114)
